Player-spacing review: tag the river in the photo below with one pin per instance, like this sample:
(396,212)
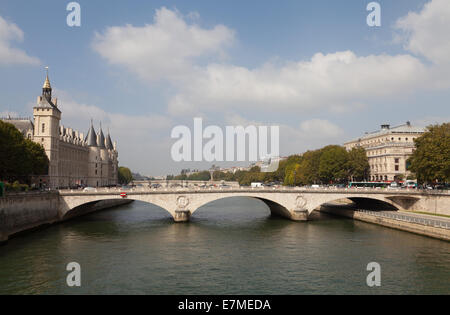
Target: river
(231,246)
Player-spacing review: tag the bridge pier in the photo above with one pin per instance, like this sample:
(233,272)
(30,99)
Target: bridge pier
(299,215)
(182,216)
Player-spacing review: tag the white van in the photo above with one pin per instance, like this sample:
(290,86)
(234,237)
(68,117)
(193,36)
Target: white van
(257,185)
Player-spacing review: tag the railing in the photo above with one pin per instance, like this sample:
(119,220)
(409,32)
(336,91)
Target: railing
(443,224)
(396,191)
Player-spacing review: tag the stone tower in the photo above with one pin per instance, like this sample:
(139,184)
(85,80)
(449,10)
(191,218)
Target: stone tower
(94,160)
(47,117)
(104,157)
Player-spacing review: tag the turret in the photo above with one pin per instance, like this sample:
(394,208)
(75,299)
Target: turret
(46,129)
(94,168)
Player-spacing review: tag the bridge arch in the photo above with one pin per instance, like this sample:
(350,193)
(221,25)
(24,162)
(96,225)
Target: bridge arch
(360,201)
(275,207)
(72,207)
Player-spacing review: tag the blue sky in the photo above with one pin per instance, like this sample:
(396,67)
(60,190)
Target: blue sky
(230,62)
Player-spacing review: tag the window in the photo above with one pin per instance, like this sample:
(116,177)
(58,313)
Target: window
(397,168)
(397,160)
(43,128)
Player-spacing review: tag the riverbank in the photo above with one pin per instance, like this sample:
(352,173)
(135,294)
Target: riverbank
(426,225)
(25,212)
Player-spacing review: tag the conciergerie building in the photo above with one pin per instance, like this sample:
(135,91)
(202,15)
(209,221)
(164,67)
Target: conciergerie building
(75,159)
(388,150)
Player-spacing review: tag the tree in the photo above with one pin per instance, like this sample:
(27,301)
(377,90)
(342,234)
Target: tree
(19,157)
(358,164)
(124,175)
(38,160)
(431,159)
(292,174)
(309,168)
(333,165)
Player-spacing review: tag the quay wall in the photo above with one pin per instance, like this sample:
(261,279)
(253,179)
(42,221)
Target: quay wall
(21,212)
(413,227)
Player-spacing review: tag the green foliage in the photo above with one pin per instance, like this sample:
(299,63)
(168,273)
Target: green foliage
(308,170)
(204,176)
(358,164)
(16,187)
(333,165)
(431,159)
(20,158)
(124,175)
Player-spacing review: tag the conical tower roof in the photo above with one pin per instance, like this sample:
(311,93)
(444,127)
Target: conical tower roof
(91,138)
(101,138)
(47,83)
(109,144)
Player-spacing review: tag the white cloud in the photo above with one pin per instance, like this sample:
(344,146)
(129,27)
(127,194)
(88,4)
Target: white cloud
(427,33)
(164,50)
(10,55)
(187,56)
(339,81)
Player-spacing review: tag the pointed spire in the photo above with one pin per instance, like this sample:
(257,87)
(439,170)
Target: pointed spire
(47,88)
(109,144)
(47,81)
(101,137)
(91,138)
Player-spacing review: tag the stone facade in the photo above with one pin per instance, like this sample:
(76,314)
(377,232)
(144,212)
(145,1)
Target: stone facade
(74,159)
(388,150)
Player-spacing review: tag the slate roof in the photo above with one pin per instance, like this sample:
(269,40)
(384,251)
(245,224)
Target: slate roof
(91,138)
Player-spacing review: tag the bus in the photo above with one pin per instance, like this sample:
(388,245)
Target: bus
(368,184)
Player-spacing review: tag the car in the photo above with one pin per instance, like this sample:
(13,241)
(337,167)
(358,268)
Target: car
(89,189)
(394,185)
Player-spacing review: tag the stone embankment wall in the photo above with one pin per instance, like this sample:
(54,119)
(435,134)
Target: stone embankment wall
(26,211)
(413,227)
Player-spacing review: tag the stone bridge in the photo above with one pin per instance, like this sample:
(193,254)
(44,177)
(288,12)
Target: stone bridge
(292,203)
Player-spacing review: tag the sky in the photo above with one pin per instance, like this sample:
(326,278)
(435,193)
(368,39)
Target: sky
(313,68)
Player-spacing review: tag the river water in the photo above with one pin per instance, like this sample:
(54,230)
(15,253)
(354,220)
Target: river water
(231,246)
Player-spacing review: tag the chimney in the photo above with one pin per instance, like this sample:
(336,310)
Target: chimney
(408,123)
(385,127)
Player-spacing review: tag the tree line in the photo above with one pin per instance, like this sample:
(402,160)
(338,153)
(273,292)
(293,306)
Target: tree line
(20,158)
(331,164)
